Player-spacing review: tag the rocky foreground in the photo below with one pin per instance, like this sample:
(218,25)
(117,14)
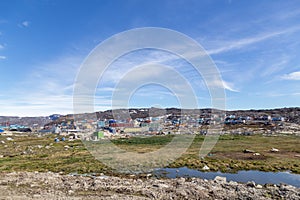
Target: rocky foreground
(30,185)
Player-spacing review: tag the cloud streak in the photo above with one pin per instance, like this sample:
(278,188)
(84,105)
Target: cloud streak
(238,44)
(292,76)
(229,86)
(215,83)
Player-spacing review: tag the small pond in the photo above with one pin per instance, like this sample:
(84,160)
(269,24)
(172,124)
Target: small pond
(241,176)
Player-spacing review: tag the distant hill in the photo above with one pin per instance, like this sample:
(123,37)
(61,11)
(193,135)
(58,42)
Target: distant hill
(26,121)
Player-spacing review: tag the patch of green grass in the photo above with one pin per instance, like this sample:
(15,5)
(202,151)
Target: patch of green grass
(24,154)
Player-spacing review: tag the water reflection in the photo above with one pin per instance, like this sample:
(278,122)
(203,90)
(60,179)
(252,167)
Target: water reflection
(241,176)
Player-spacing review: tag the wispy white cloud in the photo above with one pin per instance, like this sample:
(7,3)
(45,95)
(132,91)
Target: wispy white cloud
(47,89)
(216,83)
(245,42)
(1,46)
(292,76)
(36,105)
(287,15)
(2,57)
(229,86)
(124,64)
(51,89)
(274,65)
(277,94)
(24,24)
(106,89)
(134,70)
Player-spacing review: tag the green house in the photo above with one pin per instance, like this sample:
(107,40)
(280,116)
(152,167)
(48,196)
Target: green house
(99,134)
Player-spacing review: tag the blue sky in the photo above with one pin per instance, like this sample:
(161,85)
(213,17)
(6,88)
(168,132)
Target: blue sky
(254,44)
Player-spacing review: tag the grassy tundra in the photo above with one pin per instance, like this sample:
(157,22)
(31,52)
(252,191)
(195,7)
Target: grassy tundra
(31,153)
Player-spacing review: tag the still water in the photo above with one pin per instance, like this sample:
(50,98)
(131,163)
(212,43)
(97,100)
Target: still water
(241,176)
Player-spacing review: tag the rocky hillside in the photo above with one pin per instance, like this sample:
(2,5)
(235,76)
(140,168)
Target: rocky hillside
(25,121)
(291,115)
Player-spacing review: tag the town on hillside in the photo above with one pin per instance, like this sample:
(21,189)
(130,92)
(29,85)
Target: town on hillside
(156,121)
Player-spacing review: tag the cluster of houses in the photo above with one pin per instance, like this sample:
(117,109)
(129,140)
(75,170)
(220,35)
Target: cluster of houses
(265,119)
(94,129)
(14,127)
(167,124)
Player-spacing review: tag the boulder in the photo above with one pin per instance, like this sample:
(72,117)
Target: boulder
(205,167)
(248,151)
(220,179)
(274,150)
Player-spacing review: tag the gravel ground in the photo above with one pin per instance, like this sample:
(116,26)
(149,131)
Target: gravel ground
(30,185)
